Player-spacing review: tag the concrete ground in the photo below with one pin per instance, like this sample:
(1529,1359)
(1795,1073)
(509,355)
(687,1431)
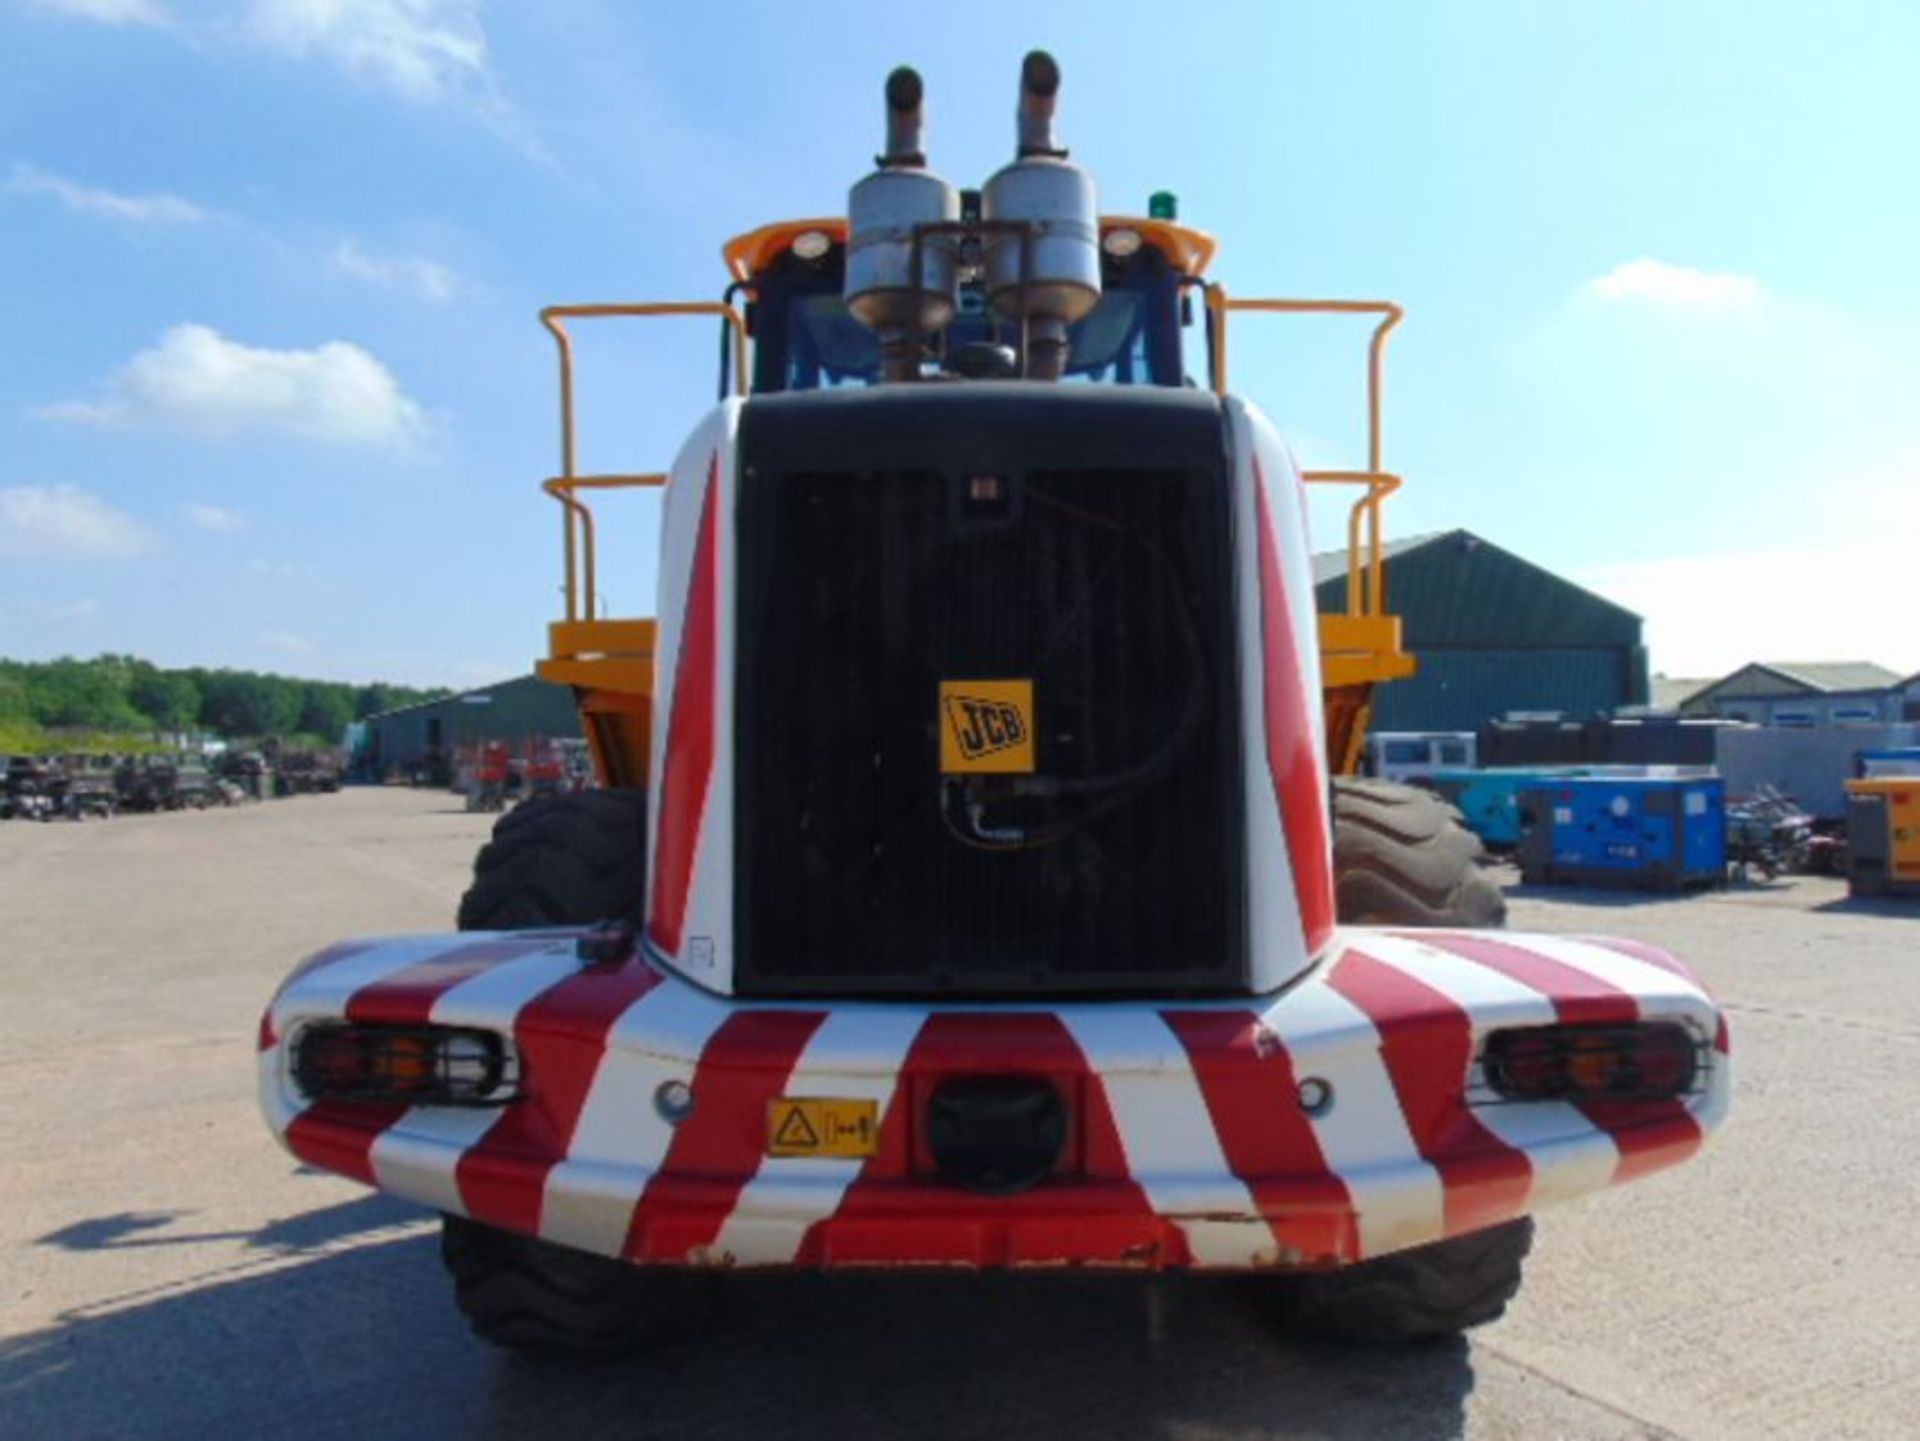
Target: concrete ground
(169,1271)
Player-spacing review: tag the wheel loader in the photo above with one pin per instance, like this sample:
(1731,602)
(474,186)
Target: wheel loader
(977,877)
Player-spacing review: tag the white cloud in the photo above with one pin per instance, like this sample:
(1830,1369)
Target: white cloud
(24,179)
(215,517)
(40,522)
(1708,614)
(422,48)
(426,278)
(199,380)
(1657,282)
(112,12)
(287,642)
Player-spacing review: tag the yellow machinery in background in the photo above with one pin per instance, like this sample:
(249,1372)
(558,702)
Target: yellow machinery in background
(1883,836)
(609,662)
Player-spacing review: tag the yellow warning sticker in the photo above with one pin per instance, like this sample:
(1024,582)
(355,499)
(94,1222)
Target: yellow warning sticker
(986,727)
(817,1126)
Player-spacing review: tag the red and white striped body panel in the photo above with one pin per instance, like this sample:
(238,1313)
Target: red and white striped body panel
(1290,835)
(691,808)
(1188,1144)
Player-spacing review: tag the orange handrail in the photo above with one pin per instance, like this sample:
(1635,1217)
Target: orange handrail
(1370,599)
(1218,304)
(576,518)
(1366,582)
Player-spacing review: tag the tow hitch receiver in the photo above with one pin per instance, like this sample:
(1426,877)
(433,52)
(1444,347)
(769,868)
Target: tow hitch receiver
(996,1135)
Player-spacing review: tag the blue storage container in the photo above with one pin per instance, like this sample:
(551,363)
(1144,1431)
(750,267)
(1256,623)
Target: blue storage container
(1666,831)
(1489,800)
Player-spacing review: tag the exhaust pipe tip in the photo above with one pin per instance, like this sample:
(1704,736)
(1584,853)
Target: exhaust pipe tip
(905,92)
(905,89)
(1040,74)
(1039,84)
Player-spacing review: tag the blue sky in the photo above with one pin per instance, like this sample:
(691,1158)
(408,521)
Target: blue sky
(275,395)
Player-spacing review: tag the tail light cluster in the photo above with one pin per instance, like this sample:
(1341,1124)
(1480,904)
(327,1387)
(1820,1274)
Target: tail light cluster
(1646,1061)
(410,1065)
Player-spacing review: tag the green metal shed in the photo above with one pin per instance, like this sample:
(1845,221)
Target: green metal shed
(514,711)
(1494,633)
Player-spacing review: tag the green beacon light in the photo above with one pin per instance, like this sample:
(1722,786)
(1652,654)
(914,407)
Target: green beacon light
(1161,205)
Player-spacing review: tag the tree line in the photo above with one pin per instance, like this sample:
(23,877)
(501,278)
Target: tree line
(122,694)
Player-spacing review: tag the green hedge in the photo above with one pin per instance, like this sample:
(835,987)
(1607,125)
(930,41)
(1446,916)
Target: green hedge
(129,702)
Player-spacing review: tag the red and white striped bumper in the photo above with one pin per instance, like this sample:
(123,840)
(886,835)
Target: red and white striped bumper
(1189,1145)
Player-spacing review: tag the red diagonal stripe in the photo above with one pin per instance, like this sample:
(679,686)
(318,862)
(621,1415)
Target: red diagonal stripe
(338,1136)
(687,772)
(1101,1215)
(1579,997)
(1293,761)
(406,998)
(1426,1041)
(561,1035)
(1651,1135)
(1253,1096)
(1654,956)
(717,1149)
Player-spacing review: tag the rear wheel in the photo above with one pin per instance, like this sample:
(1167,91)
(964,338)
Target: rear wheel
(557,860)
(1402,857)
(532,1295)
(1430,1291)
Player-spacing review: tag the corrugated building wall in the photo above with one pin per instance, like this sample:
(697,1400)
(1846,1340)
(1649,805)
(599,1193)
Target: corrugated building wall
(1494,633)
(1809,693)
(513,710)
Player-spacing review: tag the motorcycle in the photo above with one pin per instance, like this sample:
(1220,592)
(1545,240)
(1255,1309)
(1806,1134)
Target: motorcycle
(1768,832)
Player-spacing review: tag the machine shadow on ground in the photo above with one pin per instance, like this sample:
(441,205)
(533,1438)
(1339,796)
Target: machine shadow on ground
(291,1235)
(328,1328)
(1892,908)
(1599,898)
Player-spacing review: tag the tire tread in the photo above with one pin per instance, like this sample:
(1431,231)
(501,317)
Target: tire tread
(1403,857)
(555,860)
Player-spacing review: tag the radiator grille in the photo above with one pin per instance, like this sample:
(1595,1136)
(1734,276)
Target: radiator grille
(859,868)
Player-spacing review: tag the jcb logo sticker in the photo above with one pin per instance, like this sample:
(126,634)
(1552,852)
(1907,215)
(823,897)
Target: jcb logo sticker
(988,727)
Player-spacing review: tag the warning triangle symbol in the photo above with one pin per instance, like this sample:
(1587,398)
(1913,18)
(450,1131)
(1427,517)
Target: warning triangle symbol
(795,1132)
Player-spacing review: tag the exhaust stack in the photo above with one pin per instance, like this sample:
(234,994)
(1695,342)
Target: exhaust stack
(1048,277)
(882,210)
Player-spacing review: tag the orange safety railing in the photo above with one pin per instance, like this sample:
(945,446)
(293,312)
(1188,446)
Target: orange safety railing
(1366,573)
(576,516)
(1366,578)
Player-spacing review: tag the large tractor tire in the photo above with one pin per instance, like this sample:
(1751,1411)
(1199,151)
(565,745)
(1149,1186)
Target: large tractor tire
(556,861)
(531,1295)
(1430,1291)
(1402,857)
(561,861)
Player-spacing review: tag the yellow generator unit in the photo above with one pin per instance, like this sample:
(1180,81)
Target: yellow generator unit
(1883,836)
